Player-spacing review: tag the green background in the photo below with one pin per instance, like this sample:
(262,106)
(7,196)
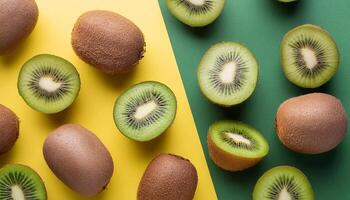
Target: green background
(261,24)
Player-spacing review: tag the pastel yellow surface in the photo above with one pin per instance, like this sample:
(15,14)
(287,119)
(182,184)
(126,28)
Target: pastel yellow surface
(93,107)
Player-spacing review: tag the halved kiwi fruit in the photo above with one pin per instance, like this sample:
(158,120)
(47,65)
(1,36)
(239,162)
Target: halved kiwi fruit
(235,146)
(48,83)
(145,110)
(19,182)
(196,13)
(309,56)
(283,183)
(228,73)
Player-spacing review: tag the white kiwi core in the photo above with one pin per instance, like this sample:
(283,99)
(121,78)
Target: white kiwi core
(197,2)
(48,84)
(238,138)
(309,57)
(228,72)
(145,109)
(17,193)
(284,195)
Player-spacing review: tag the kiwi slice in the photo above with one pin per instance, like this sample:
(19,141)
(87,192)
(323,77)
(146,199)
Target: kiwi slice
(309,56)
(286,1)
(235,146)
(19,182)
(196,13)
(145,110)
(48,83)
(283,183)
(228,73)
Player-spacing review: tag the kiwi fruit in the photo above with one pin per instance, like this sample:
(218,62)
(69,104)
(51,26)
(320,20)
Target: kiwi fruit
(235,146)
(9,129)
(309,56)
(19,182)
(312,123)
(228,73)
(145,110)
(79,159)
(196,13)
(17,20)
(48,83)
(108,41)
(283,183)
(169,177)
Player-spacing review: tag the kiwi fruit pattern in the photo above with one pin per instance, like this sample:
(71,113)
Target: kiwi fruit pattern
(312,124)
(283,183)
(228,73)
(9,129)
(79,159)
(235,146)
(309,56)
(108,41)
(48,83)
(145,110)
(17,20)
(19,182)
(196,13)
(169,177)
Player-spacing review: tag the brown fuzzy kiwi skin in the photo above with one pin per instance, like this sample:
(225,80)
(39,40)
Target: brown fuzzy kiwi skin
(79,159)
(108,41)
(229,161)
(17,20)
(9,129)
(311,124)
(169,177)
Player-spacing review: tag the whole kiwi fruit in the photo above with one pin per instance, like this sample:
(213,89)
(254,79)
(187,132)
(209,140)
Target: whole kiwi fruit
(79,159)
(108,41)
(169,177)
(312,123)
(9,129)
(17,20)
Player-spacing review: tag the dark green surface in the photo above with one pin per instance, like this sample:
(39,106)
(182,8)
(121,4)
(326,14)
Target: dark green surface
(261,24)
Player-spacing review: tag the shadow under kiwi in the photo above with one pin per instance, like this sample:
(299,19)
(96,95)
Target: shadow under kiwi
(118,81)
(286,9)
(297,91)
(12,56)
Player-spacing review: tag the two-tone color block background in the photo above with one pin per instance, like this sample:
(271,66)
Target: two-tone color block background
(173,53)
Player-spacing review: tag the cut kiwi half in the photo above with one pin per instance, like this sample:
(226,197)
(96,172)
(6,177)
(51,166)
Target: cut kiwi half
(235,146)
(19,182)
(228,73)
(196,13)
(309,56)
(283,183)
(48,83)
(145,110)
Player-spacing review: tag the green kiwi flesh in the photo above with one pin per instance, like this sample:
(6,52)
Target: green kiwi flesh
(196,13)
(19,182)
(283,183)
(309,56)
(145,110)
(235,146)
(48,83)
(228,73)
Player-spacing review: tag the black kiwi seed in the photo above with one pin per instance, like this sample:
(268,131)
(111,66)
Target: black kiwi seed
(227,139)
(316,47)
(57,76)
(136,101)
(239,80)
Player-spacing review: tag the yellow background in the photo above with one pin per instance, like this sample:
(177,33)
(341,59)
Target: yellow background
(93,107)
